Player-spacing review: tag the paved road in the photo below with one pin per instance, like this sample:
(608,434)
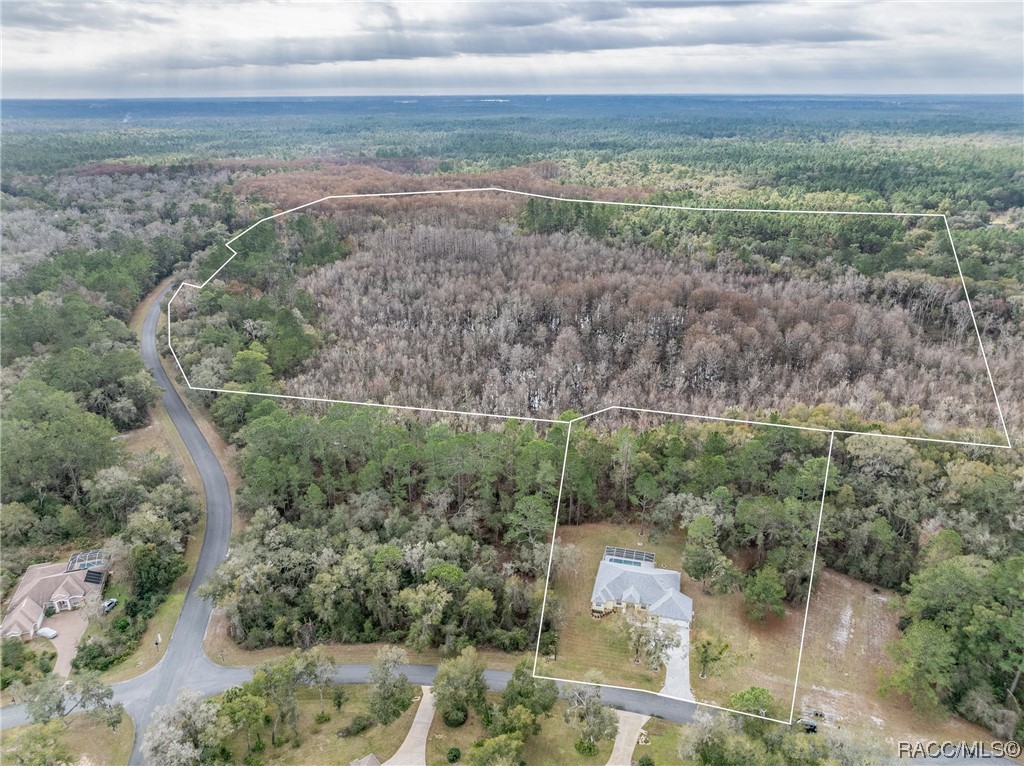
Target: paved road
(186,666)
(184,659)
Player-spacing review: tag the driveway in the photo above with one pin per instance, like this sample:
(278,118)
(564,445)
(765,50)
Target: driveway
(413,751)
(630,725)
(70,627)
(677,669)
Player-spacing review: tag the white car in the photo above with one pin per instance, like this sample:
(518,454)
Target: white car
(46,633)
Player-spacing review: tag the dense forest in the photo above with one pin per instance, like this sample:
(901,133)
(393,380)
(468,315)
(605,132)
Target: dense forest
(367,526)
(80,251)
(364,525)
(534,315)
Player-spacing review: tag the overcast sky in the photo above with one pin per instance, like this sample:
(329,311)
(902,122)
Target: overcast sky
(286,47)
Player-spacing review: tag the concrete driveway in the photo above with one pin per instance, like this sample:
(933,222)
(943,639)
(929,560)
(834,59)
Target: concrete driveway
(413,751)
(630,725)
(677,669)
(70,627)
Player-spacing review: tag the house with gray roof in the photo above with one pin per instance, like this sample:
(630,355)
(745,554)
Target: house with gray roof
(53,586)
(628,578)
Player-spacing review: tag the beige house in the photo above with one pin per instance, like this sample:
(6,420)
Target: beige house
(59,587)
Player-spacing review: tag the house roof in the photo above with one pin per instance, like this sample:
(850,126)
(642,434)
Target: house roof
(21,618)
(48,582)
(673,606)
(366,760)
(71,585)
(39,582)
(656,589)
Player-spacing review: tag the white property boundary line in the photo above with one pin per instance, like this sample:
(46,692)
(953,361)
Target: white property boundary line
(569,423)
(227,244)
(810,581)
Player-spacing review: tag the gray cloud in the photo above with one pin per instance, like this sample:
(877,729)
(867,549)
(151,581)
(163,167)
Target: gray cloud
(536,39)
(263,47)
(49,16)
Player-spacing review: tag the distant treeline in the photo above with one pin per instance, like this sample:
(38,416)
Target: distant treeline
(792,145)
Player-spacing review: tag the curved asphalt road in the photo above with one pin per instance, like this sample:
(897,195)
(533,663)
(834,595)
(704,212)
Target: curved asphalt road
(186,666)
(184,659)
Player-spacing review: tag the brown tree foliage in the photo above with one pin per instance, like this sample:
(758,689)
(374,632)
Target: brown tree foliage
(446,303)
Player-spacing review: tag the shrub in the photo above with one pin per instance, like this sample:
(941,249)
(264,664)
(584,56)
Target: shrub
(549,642)
(454,754)
(338,696)
(322,717)
(93,655)
(13,653)
(357,725)
(645,760)
(454,718)
(7,677)
(121,624)
(585,748)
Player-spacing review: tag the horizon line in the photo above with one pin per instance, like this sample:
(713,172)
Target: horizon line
(534,94)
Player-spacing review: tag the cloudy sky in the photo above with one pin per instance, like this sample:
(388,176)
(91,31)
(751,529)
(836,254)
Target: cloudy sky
(294,47)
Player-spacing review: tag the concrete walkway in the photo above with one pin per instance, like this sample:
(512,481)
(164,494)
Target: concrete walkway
(630,725)
(413,751)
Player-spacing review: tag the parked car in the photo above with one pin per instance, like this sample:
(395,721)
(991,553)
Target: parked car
(46,633)
(810,727)
(109,604)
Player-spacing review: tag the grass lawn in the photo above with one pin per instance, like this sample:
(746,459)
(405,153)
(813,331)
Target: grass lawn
(160,437)
(118,590)
(585,643)
(441,738)
(320,744)
(761,653)
(848,627)
(664,747)
(92,743)
(97,744)
(162,623)
(553,746)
